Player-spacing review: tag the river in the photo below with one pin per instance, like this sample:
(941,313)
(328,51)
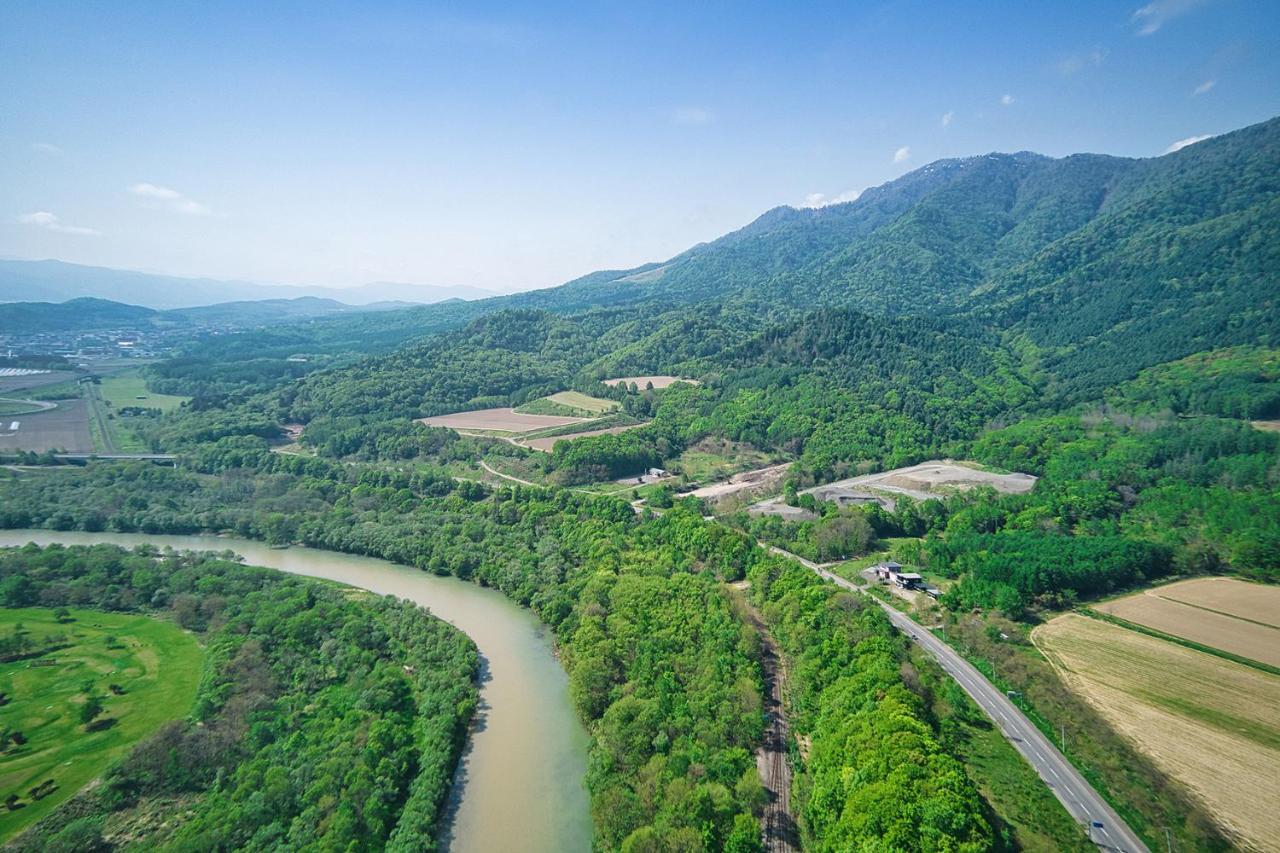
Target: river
(520,784)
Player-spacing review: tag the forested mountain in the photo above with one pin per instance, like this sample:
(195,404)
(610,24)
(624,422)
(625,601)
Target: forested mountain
(74,314)
(1093,266)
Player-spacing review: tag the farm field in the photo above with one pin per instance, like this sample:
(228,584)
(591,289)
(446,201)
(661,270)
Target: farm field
(545,444)
(128,388)
(1253,601)
(1217,612)
(63,428)
(499,420)
(1210,723)
(572,403)
(155,665)
(16,382)
(643,382)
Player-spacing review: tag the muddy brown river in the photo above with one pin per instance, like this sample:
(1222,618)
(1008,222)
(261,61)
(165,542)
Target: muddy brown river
(520,784)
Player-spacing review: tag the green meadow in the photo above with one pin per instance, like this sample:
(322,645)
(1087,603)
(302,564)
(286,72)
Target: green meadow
(144,672)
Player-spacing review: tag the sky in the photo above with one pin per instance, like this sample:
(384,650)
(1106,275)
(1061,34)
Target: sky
(512,146)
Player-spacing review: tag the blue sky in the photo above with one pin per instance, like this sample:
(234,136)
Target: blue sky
(517,145)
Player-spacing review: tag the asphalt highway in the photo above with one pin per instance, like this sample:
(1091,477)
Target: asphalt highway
(1106,829)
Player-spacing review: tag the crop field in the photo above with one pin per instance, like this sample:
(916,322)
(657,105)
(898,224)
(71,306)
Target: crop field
(1234,616)
(545,444)
(499,420)
(568,403)
(130,389)
(585,402)
(1253,601)
(1210,723)
(17,382)
(154,665)
(65,427)
(643,382)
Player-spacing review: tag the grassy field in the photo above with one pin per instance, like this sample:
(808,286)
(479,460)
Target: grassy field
(1221,613)
(1210,723)
(128,388)
(20,407)
(716,459)
(155,665)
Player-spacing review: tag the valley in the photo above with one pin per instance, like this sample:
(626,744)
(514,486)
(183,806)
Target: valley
(938,519)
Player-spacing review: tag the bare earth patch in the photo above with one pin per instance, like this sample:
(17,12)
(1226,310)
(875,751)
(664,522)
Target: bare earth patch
(927,480)
(499,420)
(759,480)
(1210,723)
(1188,613)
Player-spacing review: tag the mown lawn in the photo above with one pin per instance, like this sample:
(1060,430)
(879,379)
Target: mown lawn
(154,664)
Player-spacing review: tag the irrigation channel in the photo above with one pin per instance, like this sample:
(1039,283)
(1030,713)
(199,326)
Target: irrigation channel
(520,784)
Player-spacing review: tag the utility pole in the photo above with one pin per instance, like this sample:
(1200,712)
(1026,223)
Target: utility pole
(1168,839)
(1064,739)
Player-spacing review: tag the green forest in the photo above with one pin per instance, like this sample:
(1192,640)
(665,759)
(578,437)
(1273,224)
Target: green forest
(265,757)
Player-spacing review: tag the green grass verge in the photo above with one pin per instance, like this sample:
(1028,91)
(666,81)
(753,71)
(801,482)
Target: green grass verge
(18,407)
(156,665)
(1027,808)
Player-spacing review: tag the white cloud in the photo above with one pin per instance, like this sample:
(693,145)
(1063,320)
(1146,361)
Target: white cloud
(171,199)
(50,221)
(45,148)
(691,115)
(1006,100)
(1151,17)
(823,200)
(902,154)
(1078,62)
(1183,143)
(1203,87)
(948,117)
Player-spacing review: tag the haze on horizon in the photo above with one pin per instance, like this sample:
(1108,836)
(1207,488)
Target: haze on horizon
(514,146)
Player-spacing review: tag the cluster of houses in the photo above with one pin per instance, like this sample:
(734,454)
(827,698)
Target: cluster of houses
(892,572)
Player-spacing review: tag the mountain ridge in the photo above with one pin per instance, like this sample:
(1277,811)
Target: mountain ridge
(51,280)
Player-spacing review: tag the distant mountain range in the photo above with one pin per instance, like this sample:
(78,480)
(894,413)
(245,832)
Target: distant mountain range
(89,313)
(58,281)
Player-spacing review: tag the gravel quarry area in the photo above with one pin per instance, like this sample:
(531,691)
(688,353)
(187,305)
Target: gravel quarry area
(761,479)
(927,480)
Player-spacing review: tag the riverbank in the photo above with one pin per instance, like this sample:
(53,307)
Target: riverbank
(520,784)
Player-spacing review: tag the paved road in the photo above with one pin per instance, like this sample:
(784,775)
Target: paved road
(1076,795)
